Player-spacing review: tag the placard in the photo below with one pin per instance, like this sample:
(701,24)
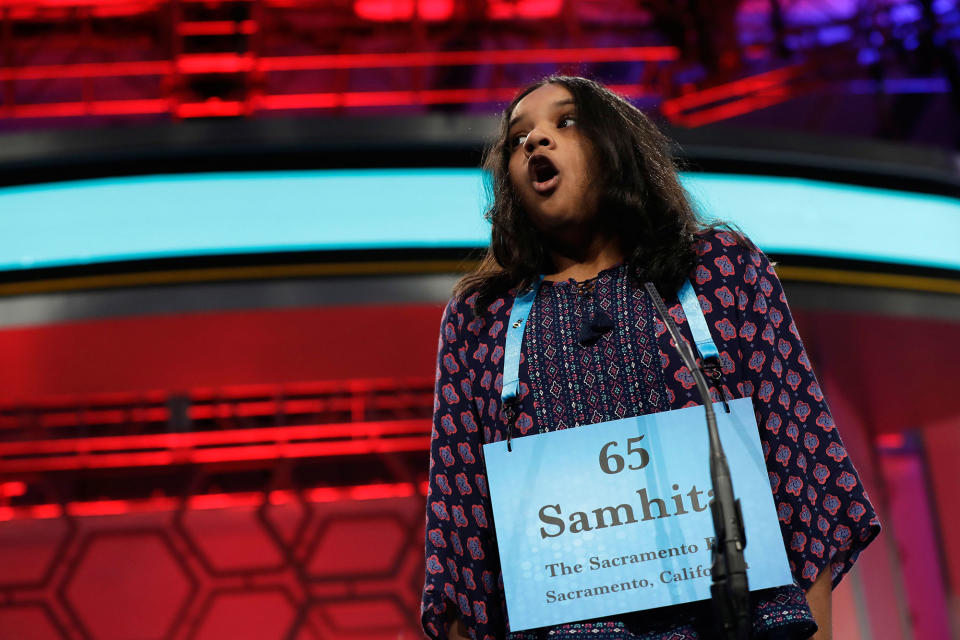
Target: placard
(614,517)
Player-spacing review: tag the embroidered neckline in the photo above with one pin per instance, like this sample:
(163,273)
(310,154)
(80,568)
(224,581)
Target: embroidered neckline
(614,271)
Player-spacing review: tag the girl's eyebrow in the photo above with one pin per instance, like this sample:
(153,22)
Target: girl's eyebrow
(559,103)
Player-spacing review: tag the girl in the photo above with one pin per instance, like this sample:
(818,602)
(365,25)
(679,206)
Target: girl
(586,193)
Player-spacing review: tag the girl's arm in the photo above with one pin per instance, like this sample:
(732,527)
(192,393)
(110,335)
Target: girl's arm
(825,515)
(460,589)
(821,605)
(456,629)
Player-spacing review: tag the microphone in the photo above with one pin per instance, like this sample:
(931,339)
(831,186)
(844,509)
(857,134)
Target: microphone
(730,592)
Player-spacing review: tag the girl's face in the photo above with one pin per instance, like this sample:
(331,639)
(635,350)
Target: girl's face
(550,162)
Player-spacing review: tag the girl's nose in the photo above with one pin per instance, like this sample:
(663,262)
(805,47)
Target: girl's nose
(536,139)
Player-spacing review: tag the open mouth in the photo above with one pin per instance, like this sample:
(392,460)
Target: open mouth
(543,173)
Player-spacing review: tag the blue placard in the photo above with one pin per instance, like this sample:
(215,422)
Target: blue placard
(583,535)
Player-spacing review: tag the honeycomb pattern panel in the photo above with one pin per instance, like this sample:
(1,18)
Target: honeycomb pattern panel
(287,520)
(27,621)
(28,549)
(357,545)
(265,615)
(342,564)
(128,585)
(230,539)
(371,618)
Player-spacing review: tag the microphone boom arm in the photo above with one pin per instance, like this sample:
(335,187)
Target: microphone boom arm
(730,591)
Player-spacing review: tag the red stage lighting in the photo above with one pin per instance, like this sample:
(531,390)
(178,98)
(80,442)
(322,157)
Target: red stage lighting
(403,10)
(523,9)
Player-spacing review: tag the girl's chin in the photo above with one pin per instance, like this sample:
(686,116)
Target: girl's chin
(564,226)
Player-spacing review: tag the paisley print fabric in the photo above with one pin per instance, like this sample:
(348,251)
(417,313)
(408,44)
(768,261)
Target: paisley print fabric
(629,369)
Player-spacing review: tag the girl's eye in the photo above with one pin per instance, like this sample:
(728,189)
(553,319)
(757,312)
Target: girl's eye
(518,140)
(566,121)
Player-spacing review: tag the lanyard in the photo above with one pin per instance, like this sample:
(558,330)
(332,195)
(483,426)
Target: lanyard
(511,350)
(521,312)
(697,322)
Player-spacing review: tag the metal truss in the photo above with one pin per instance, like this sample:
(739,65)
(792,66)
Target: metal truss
(188,58)
(232,58)
(698,62)
(263,495)
(172,438)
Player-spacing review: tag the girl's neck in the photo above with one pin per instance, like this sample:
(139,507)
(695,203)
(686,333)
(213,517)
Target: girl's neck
(585,262)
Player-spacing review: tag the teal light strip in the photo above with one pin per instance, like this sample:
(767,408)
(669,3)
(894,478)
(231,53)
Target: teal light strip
(809,217)
(252,212)
(92,221)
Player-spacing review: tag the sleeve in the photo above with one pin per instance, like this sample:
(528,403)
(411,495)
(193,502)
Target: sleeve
(825,515)
(461,569)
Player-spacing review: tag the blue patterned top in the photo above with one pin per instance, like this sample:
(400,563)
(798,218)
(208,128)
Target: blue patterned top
(599,352)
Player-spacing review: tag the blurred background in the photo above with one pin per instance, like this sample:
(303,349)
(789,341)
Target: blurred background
(228,229)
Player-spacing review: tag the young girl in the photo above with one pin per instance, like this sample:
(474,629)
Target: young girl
(586,193)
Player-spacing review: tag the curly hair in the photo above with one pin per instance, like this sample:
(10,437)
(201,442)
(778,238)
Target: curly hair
(640,197)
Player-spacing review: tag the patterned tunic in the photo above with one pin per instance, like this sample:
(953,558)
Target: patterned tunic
(602,355)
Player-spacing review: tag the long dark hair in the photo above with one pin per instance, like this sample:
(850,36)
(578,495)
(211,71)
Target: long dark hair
(641,198)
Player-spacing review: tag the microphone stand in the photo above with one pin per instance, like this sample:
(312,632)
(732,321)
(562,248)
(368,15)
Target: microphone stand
(730,592)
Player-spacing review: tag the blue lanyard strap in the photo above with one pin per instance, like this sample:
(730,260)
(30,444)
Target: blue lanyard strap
(511,350)
(697,322)
(521,312)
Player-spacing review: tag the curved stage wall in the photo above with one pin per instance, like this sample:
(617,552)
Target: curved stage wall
(217,386)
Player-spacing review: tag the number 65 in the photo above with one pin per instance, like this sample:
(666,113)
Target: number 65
(613,462)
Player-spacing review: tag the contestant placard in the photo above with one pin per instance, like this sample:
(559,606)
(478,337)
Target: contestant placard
(614,517)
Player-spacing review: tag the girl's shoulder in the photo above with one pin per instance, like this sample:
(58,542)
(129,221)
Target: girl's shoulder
(469,318)
(728,262)
(726,250)
(722,239)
